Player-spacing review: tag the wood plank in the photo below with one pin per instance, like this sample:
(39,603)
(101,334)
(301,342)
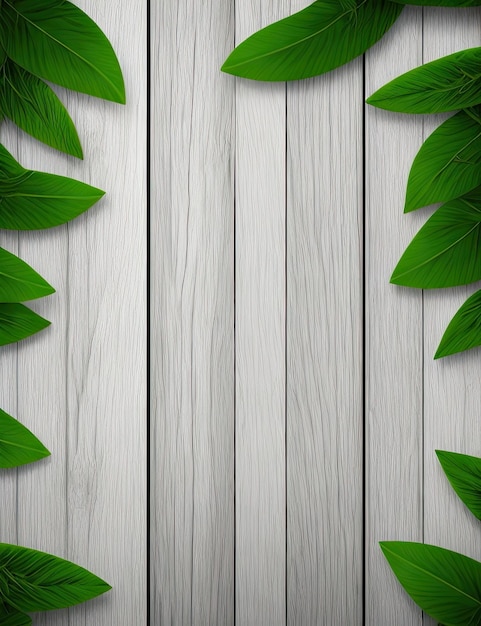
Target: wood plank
(452,400)
(394,354)
(260,337)
(83,382)
(192,314)
(324,348)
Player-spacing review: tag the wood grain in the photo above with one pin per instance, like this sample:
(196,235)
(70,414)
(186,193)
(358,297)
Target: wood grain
(192,314)
(324,348)
(394,340)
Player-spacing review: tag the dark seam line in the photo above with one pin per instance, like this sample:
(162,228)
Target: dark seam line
(422,351)
(285,340)
(363,345)
(148,259)
(234,124)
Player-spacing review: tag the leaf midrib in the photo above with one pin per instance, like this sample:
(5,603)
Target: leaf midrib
(296,43)
(63,45)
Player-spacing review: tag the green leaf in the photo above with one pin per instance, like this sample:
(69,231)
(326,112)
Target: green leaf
(37,581)
(31,200)
(464,474)
(18,281)
(447,250)
(18,445)
(445,584)
(11,617)
(321,37)
(34,107)
(18,322)
(464,330)
(58,42)
(441,3)
(450,83)
(449,162)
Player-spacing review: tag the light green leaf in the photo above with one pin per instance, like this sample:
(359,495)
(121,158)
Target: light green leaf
(445,584)
(18,322)
(441,3)
(447,250)
(11,617)
(17,444)
(449,162)
(37,581)
(321,37)
(464,330)
(31,200)
(18,281)
(447,84)
(464,474)
(34,107)
(58,42)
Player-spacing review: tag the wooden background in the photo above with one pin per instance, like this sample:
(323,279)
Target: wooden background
(294,403)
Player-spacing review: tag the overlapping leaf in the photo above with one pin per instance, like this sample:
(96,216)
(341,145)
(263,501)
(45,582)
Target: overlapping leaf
(447,84)
(35,108)
(38,581)
(18,322)
(18,281)
(57,41)
(445,584)
(32,200)
(11,617)
(464,330)
(325,35)
(17,444)
(447,250)
(449,163)
(464,474)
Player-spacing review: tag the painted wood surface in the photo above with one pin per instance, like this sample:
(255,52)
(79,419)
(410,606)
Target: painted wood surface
(81,385)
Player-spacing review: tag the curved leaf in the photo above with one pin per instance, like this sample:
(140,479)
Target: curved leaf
(18,281)
(18,322)
(448,164)
(37,581)
(31,200)
(11,617)
(441,3)
(321,37)
(34,107)
(447,250)
(18,445)
(445,584)
(464,330)
(464,474)
(60,43)
(450,83)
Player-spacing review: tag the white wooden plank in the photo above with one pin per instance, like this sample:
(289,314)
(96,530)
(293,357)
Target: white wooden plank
(192,315)
(394,357)
(452,399)
(324,349)
(83,382)
(260,337)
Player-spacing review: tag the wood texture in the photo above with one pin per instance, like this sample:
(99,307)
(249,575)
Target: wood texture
(192,313)
(82,383)
(394,334)
(324,348)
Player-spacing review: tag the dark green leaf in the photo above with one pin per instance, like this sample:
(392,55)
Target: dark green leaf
(325,35)
(445,584)
(464,330)
(37,581)
(441,3)
(18,281)
(464,474)
(18,322)
(17,444)
(449,163)
(32,200)
(35,108)
(447,250)
(60,43)
(450,83)
(11,617)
